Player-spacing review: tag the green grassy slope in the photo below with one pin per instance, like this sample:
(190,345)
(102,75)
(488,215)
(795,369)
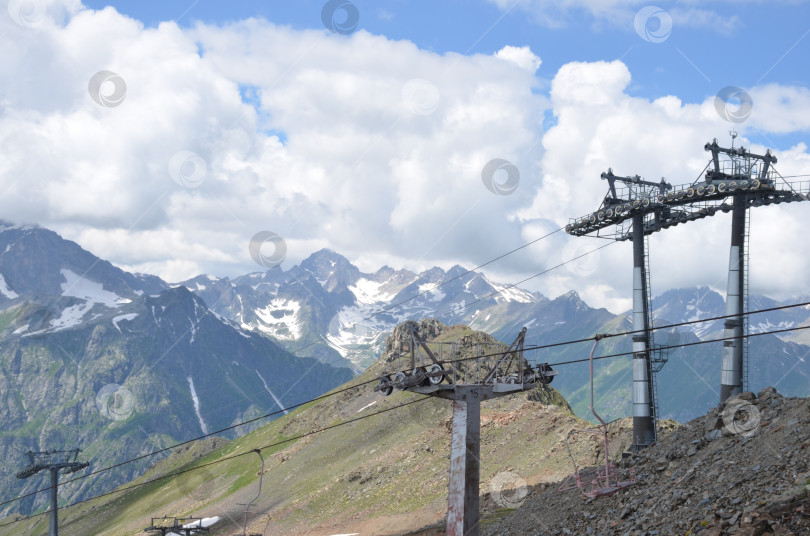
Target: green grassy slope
(386,472)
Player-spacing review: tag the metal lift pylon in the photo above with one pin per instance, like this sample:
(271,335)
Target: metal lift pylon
(465,443)
(741,180)
(55,461)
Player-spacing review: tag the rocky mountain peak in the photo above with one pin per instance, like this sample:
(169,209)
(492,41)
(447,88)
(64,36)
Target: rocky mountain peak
(398,343)
(34,260)
(326,262)
(571,301)
(433,275)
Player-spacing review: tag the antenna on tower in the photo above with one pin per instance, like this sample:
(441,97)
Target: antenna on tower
(733,134)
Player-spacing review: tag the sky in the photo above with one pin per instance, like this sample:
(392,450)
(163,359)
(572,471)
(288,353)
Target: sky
(186,137)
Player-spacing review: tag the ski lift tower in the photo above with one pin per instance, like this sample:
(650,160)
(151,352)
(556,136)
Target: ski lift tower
(505,374)
(748,179)
(629,207)
(53,461)
(737,180)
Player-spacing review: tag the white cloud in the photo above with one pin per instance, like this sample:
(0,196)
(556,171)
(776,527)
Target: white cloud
(362,165)
(600,126)
(336,153)
(705,19)
(521,56)
(621,13)
(777,108)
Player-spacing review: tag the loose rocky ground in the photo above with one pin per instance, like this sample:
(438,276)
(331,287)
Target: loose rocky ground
(740,470)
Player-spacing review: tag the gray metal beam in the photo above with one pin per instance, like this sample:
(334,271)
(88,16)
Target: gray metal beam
(731,377)
(643,424)
(465,463)
(54,528)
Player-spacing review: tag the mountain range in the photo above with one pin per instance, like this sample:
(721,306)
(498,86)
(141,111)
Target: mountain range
(121,365)
(326,307)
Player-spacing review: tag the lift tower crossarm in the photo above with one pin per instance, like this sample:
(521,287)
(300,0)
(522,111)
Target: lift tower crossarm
(636,179)
(517,347)
(740,152)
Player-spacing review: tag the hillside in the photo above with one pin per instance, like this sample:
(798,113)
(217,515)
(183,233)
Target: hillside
(385,474)
(742,469)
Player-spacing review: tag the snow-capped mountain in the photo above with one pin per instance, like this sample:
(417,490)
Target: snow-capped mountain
(121,365)
(326,307)
(689,305)
(331,310)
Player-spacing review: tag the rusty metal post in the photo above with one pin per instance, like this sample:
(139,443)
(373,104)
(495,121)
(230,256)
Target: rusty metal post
(465,464)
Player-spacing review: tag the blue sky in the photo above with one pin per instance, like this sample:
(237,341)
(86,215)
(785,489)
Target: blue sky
(165,136)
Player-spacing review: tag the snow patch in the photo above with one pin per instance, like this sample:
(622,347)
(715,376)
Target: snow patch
(508,293)
(355,328)
(193,328)
(369,292)
(271,393)
(196,401)
(767,325)
(280,319)
(72,316)
(76,286)
(118,319)
(459,307)
(6,290)
(431,292)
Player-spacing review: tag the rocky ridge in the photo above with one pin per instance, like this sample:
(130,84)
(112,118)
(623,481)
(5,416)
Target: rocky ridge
(742,469)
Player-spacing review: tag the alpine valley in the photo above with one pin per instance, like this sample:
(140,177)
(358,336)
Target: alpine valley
(120,364)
